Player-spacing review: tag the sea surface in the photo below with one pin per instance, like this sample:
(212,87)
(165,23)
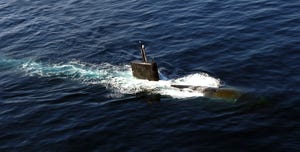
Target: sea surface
(66,83)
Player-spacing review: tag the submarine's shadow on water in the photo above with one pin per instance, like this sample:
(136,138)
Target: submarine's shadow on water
(140,97)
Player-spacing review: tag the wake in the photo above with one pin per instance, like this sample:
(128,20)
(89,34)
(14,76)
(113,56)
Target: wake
(117,78)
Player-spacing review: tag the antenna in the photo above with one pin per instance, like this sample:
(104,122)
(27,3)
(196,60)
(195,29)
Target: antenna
(143,52)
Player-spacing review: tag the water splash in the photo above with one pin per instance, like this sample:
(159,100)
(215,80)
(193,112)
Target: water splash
(118,78)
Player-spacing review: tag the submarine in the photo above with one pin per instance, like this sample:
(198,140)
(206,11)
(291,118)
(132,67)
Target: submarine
(149,71)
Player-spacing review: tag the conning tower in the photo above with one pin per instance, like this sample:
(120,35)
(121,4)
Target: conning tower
(144,69)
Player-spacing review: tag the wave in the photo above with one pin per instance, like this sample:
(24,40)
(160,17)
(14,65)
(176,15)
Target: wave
(118,78)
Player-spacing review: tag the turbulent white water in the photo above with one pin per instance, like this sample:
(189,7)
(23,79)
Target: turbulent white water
(119,78)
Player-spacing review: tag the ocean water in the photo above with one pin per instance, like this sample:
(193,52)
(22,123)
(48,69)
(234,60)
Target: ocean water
(66,82)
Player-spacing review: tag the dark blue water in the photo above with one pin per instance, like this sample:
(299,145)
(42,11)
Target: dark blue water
(66,83)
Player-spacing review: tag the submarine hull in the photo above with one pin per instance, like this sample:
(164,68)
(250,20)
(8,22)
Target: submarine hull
(219,93)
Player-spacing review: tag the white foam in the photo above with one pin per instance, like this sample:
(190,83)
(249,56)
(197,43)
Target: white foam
(120,79)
